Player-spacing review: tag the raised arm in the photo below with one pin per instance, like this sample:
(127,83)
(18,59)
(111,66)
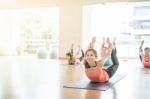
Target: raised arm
(109,48)
(141,46)
(106,51)
(91,45)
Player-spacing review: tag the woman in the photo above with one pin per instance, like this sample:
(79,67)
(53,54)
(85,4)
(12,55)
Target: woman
(144,57)
(75,59)
(94,68)
(70,56)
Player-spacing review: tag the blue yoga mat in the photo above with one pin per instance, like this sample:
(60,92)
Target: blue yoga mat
(86,84)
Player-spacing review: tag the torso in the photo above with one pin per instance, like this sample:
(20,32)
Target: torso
(146,58)
(97,74)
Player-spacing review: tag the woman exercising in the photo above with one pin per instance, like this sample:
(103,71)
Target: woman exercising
(144,57)
(73,59)
(94,68)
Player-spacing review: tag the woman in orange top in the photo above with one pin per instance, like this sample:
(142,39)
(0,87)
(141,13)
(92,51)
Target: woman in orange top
(94,68)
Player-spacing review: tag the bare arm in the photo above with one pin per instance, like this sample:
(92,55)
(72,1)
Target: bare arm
(109,49)
(106,52)
(91,45)
(78,52)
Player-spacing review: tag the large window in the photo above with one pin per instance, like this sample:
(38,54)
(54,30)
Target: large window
(28,31)
(129,23)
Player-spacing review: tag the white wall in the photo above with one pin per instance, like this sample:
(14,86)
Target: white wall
(70,27)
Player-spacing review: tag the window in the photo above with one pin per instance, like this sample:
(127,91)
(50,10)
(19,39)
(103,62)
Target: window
(127,22)
(31,29)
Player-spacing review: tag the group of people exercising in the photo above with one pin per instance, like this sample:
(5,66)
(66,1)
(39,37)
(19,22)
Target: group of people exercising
(100,68)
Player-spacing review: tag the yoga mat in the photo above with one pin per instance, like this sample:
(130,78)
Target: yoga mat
(86,84)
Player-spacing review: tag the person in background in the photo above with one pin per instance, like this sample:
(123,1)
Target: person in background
(75,59)
(144,57)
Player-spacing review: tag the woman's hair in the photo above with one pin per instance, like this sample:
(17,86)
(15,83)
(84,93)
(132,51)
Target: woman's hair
(85,62)
(147,48)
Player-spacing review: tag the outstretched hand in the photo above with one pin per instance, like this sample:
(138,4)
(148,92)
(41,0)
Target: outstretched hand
(106,52)
(93,39)
(91,45)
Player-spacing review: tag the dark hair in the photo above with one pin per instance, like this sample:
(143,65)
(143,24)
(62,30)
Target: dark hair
(147,48)
(68,54)
(85,62)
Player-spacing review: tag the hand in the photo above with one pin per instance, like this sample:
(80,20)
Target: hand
(104,53)
(93,39)
(91,45)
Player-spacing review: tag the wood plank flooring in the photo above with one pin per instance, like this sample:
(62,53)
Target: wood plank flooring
(32,78)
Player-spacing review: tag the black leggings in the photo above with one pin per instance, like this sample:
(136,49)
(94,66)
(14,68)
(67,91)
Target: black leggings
(113,68)
(140,50)
(70,53)
(140,57)
(82,56)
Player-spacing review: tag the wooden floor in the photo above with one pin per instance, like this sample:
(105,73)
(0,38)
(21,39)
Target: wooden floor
(32,78)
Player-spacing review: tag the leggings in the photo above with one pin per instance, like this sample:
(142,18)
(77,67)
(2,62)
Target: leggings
(82,56)
(70,53)
(113,68)
(140,51)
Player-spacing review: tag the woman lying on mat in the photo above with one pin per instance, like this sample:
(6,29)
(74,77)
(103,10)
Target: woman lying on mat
(73,59)
(144,57)
(94,67)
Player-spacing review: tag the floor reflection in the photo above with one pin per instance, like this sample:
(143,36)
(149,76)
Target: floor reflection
(29,79)
(92,94)
(146,70)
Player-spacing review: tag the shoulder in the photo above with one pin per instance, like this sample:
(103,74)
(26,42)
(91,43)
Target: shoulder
(99,63)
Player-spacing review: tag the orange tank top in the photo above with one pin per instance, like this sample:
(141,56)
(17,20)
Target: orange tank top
(99,75)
